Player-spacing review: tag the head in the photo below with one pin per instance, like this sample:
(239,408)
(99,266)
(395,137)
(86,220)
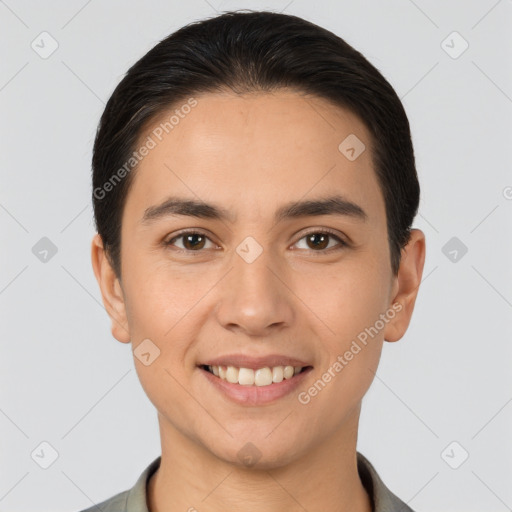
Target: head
(241,117)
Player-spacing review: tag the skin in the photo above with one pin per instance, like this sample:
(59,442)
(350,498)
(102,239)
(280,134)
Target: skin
(251,154)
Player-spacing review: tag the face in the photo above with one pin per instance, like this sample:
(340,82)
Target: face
(303,285)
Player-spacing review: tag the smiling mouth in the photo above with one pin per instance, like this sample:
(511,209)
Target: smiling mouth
(265,376)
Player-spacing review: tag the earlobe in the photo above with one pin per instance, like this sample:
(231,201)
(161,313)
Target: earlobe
(408,281)
(111,291)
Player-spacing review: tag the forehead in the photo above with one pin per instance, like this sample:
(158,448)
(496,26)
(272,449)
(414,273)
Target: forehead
(249,151)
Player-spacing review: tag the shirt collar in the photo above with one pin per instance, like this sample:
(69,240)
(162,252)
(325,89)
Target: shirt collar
(383,500)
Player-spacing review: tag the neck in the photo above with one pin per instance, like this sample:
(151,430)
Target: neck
(191,478)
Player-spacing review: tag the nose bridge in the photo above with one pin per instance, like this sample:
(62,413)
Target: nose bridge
(252,266)
(254,297)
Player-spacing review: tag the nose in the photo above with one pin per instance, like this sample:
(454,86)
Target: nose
(256,298)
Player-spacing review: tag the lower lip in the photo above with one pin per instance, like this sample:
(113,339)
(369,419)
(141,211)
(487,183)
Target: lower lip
(256,395)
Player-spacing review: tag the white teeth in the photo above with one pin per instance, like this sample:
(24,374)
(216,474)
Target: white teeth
(260,377)
(263,377)
(277,374)
(246,377)
(232,374)
(288,372)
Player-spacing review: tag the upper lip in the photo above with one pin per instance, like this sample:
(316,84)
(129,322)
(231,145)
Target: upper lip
(245,361)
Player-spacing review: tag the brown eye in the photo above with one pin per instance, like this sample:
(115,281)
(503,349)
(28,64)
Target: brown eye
(191,241)
(321,241)
(318,240)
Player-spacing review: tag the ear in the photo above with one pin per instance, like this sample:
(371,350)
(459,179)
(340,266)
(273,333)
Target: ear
(111,291)
(406,285)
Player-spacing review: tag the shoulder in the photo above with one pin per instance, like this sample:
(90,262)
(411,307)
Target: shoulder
(116,503)
(131,500)
(382,498)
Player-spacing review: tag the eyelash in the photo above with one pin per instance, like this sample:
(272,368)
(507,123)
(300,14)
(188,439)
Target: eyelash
(325,231)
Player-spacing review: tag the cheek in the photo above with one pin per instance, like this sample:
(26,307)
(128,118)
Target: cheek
(157,297)
(352,350)
(348,297)
(350,302)
(160,307)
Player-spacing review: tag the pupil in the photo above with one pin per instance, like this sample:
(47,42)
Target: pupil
(323,240)
(188,239)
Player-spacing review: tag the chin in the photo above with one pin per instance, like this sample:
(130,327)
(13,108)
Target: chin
(258,454)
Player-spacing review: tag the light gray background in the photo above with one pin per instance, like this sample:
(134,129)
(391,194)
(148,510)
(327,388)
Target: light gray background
(64,378)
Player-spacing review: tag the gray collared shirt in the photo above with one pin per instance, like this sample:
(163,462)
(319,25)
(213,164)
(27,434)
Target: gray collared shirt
(134,499)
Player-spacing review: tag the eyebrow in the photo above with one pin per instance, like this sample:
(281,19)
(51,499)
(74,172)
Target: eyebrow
(333,205)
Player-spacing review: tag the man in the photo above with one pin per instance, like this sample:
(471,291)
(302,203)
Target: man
(254,188)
